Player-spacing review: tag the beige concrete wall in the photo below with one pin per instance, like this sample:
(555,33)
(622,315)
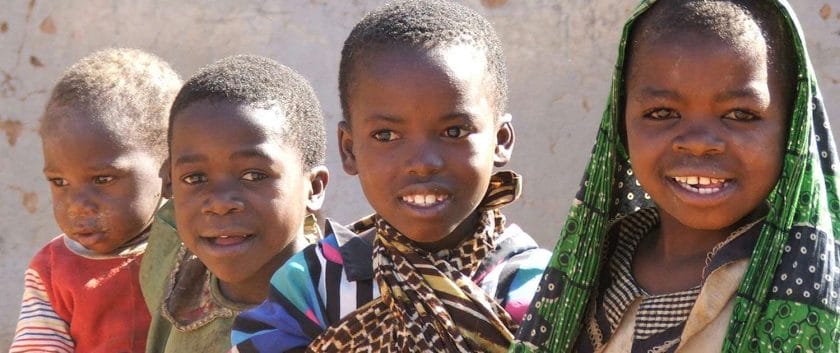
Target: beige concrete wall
(560,55)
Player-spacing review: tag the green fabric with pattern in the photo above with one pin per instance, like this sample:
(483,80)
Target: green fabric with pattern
(789,309)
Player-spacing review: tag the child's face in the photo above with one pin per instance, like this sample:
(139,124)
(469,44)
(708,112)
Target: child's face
(104,193)
(423,138)
(705,129)
(240,191)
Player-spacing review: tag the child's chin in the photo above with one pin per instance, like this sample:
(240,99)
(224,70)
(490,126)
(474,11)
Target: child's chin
(95,244)
(230,274)
(709,223)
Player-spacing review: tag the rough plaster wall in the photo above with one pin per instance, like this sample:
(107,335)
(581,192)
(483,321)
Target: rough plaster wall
(560,55)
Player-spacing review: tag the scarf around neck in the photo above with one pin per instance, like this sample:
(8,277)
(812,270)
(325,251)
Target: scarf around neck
(788,298)
(429,301)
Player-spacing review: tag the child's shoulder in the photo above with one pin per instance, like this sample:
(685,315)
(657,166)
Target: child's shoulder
(348,249)
(54,251)
(516,248)
(160,257)
(162,249)
(512,272)
(64,251)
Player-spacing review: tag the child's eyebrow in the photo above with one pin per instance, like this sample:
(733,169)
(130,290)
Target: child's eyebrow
(745,92)
(102,168)
(398,120)
(649,92)
(190,158)
(250,153)
(383,117)
(459,116)
(49,170)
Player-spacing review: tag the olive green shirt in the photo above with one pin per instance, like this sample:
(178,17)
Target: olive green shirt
(189,313)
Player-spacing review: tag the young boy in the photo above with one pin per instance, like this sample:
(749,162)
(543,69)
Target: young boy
(423,90)
(246,162)
(103,138)
(722,123)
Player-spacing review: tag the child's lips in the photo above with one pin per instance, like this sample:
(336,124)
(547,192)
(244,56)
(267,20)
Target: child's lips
(223,238)
(424,199)
(87,231)
(229,240)
(90,235)
(427,196)
(702,190)
(701,184)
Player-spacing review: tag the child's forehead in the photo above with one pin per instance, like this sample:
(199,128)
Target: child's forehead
(222,112)
(72,120)
(458,71)
(233,121)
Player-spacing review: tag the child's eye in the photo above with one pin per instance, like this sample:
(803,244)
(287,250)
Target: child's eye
(385,135)
(191,179)
(662,114)
(740,115)
(102,179)
(254,176)
(456,132)
(58,181)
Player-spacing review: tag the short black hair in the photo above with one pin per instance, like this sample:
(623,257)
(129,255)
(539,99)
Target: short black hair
(423,25)
(260,82)
(126,91)
(726,20)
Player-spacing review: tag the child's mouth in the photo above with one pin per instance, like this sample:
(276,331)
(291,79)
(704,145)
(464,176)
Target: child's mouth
(699,184)
(228,240)
(424,200)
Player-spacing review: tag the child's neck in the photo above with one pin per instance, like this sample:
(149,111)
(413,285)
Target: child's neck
(254,290)
(675,252)
(461,232)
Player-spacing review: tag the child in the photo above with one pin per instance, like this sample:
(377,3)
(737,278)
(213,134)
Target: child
(103,138)
(423,90)
(731,246)
(247,146)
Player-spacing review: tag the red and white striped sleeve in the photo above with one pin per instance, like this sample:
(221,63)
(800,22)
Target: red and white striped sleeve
(39,328)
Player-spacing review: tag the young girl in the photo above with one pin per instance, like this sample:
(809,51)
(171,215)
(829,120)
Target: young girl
(731,244)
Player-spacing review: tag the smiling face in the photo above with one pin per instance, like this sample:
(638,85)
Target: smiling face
(240,191)
(424,138)
(104,194)
(705,127)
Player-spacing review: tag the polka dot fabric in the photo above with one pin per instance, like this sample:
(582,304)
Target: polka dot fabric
(787,301)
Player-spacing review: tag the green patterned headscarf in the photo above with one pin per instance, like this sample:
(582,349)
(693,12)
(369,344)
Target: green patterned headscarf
(788,300)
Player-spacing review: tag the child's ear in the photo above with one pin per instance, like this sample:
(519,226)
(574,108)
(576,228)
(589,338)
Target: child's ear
(345,148)
(505,138)
(166,178)
(318,179)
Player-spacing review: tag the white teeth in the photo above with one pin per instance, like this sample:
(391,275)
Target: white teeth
(424,200)
(703,191)
(708,190)
(698,180)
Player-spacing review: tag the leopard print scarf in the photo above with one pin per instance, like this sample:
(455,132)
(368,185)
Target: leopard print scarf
(429,301)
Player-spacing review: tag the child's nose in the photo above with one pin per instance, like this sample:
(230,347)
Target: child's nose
(80,201)
(426,160)
(222,199)
(699,140)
